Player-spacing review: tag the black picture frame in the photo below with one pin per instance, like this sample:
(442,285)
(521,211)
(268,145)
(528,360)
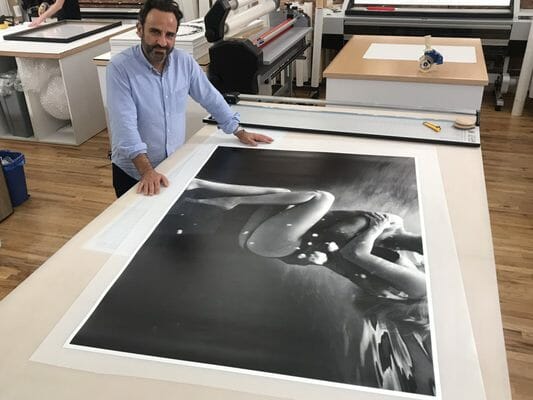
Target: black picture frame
(26,35)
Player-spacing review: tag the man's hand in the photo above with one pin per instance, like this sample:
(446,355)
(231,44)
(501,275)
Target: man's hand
(252,139)
(151,182)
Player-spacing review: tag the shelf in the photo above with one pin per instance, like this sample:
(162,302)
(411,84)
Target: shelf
(64,135)
(525,12)
(13,137)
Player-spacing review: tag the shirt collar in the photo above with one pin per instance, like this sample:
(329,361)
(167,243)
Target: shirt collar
(142,59)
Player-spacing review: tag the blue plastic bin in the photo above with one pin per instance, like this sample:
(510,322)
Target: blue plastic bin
(15,178)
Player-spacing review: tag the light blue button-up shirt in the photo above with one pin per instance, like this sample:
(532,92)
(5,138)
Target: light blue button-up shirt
(147,109)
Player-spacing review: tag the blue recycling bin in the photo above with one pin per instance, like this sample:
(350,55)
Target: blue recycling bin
(13,166)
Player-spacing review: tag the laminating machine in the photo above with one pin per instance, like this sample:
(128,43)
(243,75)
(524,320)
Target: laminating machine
(249,65)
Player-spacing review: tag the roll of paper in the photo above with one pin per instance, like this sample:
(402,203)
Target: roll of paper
(250,29)
(242,19)
(236,4)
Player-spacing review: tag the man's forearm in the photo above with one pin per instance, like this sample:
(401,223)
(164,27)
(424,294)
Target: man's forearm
(409,280)
(142,163)
(404,241)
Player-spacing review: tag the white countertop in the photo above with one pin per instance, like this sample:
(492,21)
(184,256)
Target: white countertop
(49,49)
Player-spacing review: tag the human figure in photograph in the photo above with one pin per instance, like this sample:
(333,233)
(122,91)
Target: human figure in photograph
(370,249)
(147,90)
(303,229)
(264,263)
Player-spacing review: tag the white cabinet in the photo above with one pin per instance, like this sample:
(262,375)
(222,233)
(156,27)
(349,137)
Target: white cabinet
(384,71)
(76,77)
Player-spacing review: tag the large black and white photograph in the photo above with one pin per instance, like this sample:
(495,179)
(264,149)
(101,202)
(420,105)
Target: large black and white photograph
(303,264)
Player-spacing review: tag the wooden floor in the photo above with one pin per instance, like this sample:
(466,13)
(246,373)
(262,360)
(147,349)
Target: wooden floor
(70,186)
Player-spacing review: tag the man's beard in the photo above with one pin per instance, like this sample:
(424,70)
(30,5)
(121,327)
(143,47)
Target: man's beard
(155,54)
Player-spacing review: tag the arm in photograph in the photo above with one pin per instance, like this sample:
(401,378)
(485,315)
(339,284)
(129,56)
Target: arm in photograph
(358,251)
(402,240)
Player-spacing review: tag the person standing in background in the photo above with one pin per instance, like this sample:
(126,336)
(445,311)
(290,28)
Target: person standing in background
(62,9)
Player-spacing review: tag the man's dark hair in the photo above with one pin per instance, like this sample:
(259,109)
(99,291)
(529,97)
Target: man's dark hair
(161,5)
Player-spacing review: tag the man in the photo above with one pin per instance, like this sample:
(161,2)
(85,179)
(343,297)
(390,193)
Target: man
(147,89)
(62,9)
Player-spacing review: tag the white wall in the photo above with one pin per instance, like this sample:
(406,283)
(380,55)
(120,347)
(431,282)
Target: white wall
(5,9)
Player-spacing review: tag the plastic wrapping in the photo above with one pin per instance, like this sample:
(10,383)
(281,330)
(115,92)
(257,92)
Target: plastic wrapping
(54,99)
(7,82)
(35,73)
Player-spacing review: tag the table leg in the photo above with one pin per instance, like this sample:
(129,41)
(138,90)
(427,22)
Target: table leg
(525,77)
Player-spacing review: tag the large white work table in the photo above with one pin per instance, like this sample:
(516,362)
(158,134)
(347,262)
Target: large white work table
(32,310)
(80,80)
(384,71)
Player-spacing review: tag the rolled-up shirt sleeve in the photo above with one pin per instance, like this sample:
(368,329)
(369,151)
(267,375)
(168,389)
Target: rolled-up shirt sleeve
(125,138)
(203,92)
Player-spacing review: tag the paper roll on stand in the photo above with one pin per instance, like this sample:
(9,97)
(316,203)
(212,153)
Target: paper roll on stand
(238,21)
(225,18)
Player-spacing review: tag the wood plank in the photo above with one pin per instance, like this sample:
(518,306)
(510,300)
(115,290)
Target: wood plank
(68,186)
(507,145)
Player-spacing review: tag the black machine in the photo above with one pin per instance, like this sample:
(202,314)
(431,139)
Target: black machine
(248,65)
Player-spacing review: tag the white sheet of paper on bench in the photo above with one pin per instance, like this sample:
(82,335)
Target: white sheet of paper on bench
(412,52)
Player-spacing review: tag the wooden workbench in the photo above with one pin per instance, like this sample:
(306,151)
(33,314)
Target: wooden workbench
(452,86)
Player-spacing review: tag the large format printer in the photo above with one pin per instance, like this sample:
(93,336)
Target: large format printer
(430,17)
(250,65)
